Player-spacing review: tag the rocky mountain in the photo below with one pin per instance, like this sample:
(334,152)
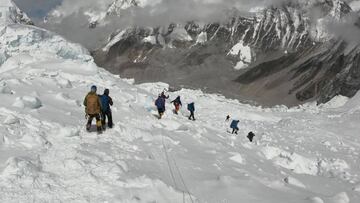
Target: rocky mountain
(277,55)
(10,13)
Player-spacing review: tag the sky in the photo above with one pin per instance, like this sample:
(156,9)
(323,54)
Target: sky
(40,8)
(37,8)
(161,12)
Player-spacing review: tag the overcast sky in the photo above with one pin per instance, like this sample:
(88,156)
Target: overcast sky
(37,8)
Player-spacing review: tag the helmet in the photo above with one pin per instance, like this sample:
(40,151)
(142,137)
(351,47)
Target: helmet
(93,88)
(106,91)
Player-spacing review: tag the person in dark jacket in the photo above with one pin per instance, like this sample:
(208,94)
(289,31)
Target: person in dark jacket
(227,118)
(177,103)
(234,126)
(250,136)
(191,108)
(106,102)
(160,105)
(162,95)
(93,109)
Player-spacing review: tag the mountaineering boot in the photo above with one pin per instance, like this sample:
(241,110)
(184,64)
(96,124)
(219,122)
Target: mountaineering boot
(99,126)
(88,127)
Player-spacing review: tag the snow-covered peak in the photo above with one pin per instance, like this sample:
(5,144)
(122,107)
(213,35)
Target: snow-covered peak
(10,13)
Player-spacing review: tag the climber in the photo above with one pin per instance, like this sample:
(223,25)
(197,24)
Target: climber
(163,95)
(251,135)
(234,126)
(227,118)
(93,109)
(177,103)
(191,108)
(160,104)
(106,102)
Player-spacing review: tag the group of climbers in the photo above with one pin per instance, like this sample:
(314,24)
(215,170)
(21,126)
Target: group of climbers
(161,101)
(234,126)
(98,107)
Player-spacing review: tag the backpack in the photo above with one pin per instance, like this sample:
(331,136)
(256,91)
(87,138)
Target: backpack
(234,124)
(191,107)
(105,102)
(92,104)
(160,103)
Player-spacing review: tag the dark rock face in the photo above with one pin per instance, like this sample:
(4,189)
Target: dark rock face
(318,74)
(291,62)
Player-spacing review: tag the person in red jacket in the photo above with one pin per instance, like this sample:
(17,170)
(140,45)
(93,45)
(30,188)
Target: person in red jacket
(177,104)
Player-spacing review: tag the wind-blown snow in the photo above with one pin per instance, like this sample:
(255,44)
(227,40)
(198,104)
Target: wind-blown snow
(304,154)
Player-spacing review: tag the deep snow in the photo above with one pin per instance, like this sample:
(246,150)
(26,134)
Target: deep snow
(304,154)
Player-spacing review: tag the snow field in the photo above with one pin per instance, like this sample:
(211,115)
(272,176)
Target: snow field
(303,154)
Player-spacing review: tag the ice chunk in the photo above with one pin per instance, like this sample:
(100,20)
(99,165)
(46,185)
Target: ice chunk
(11,119)
(4,89)
(340,198)
(28,102)
(293,181)
(316,200)
(237,158)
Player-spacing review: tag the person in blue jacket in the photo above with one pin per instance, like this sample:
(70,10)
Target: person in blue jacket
(191,108)
(234,126)
(160,105)
(106,102)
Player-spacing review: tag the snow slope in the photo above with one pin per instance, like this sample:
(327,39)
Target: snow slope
(304,154)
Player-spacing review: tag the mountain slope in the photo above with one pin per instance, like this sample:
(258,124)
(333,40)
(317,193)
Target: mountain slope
(222,57)
(47,156)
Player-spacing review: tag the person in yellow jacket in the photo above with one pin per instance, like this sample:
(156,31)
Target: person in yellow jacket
(93,109)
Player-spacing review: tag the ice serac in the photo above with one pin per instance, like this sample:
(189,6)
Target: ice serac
(281,54)
(10,13)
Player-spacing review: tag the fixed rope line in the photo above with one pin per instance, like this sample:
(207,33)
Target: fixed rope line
(168,162)
(178,170)
(182,180)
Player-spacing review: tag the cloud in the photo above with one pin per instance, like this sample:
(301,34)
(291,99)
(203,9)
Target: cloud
(37,8)
(71,17)
(347,30)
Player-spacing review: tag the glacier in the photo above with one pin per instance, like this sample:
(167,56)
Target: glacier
(307,153)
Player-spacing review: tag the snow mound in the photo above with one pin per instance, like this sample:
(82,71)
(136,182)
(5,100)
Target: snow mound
(336,102)
(316,200)
(28,102)
(237,158)
(340,198)
(357,188)
(302,165)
